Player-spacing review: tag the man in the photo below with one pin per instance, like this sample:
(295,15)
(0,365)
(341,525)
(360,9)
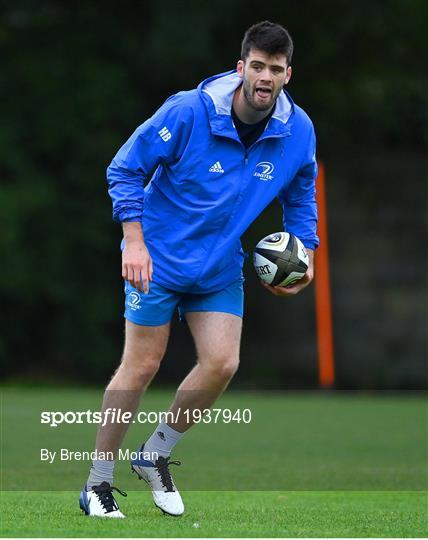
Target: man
(182,248)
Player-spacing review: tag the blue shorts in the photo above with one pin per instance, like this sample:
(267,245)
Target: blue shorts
(158,306)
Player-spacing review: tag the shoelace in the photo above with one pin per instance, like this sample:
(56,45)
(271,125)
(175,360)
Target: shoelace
(162,465)
(104,493)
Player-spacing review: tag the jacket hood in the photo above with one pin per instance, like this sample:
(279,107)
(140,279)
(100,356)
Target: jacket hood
(217,94)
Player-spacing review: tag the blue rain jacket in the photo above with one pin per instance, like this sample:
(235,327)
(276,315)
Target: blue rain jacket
(205,188)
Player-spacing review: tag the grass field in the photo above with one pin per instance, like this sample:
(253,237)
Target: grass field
(222,514)
(307,465)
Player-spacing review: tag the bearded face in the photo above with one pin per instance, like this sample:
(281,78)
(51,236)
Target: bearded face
(263,77)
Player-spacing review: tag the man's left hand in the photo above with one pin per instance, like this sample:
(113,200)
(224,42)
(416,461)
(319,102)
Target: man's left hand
(298,285)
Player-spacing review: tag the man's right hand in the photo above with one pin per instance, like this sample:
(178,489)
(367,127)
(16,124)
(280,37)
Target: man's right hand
(137,265)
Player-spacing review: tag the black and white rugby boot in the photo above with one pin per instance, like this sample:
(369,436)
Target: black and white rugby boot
(158,477)
(99,501)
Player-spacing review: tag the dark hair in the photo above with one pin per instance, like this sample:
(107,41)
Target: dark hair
(268,37)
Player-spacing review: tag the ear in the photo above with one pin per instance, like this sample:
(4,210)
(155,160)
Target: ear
(289,73)
(240,68)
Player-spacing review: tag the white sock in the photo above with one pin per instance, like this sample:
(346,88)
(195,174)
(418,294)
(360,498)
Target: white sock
(163,440)
(101,471)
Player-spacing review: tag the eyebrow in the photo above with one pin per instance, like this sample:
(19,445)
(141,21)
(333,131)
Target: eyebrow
(263,64)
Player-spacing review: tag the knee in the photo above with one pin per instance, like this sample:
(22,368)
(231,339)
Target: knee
(224,368)
(140,368)
(146,370)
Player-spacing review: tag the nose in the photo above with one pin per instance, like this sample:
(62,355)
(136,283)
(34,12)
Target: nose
(266,75)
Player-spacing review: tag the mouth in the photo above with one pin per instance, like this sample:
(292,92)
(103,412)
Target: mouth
(263,92)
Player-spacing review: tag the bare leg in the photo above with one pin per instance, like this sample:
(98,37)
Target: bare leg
(217,339)
(144,349)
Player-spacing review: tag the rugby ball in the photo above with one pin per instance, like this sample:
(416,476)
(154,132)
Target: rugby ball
(280,259)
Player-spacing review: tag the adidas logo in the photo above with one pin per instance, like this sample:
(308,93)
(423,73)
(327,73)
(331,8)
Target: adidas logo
(216,167)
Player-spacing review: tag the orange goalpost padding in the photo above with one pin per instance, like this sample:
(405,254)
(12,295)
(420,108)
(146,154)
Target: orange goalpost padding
(323,309)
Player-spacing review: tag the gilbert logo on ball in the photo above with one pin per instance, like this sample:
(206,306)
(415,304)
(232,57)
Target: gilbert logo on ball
(280,259)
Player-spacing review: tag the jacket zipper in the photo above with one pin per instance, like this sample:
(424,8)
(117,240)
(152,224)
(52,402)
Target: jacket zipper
(246,152)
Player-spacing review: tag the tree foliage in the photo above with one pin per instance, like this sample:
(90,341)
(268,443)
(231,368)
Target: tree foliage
(77,80)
